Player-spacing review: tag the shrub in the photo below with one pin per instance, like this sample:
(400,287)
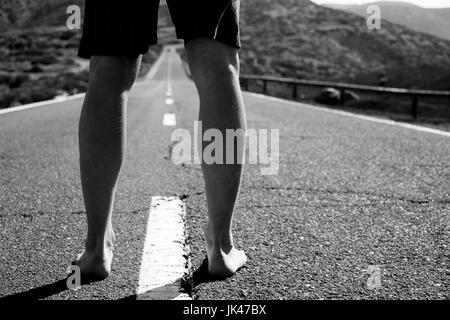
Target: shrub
(17,81)
(7,100)
(66,35)
(46,60)
(42,94)
(6,79)
(36,68)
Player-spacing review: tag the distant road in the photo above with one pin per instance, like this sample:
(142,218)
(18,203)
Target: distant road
(360,209)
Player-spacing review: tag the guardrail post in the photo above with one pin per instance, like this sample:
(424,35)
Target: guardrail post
(342,96)
(343,88)
(448,107)
(415,107)
(244,84)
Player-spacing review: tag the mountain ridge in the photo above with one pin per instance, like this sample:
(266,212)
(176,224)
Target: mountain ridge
(434,21)
(315,42)
(297,38)
(16,14)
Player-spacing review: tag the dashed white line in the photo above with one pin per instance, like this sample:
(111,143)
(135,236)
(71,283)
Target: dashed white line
(353,115)
(169,120)
(169,74)
(163,259)
(169,101)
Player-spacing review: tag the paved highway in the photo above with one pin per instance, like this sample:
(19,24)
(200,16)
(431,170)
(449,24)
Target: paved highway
(359,209)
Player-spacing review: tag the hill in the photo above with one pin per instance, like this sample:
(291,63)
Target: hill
(38,54)
(432,21)
(18,14)
(293,38)
(297,38)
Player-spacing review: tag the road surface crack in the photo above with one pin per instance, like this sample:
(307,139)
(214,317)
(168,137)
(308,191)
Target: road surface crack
(359,193)
(184,196)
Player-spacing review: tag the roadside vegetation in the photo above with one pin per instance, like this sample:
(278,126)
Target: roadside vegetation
(41,64)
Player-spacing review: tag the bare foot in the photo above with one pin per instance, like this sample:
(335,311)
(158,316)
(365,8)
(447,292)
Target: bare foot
(94,262)
(224,260)
(94,266)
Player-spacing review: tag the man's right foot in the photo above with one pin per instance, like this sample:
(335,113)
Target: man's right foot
(222,265)
(94,266)
(223,261)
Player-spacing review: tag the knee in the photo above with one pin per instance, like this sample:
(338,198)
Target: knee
(117,72)
(212,62)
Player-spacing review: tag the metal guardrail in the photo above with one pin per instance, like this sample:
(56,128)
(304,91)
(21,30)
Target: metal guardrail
(295,83)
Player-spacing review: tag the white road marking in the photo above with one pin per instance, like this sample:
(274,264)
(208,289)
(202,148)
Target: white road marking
(155,66)
(169,120)
(353,115)
(169,101)
(163,259)
(42,103)
(169,74)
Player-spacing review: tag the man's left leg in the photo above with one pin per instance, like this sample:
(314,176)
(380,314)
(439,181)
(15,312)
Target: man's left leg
(215,70)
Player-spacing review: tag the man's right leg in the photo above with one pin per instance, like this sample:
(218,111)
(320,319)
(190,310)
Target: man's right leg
(215,68)
(102,138)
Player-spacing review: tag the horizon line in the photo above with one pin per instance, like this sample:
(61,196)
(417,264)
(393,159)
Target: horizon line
(364,2)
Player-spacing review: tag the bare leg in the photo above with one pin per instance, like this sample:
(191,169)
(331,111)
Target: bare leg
(102,146)
(215,68)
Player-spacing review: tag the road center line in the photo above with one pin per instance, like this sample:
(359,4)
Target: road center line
(163,259)
(169,74)
(169,120)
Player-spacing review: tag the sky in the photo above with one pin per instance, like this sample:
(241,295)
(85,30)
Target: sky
(422,3)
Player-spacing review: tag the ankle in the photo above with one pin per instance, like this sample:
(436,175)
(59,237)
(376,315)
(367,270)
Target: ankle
(108,241)
(101,244)
(218,241)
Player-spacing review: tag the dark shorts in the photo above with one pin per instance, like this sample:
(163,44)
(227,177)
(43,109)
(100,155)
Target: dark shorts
(129,27)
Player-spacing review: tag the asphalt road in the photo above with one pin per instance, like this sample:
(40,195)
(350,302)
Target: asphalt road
(358,209)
